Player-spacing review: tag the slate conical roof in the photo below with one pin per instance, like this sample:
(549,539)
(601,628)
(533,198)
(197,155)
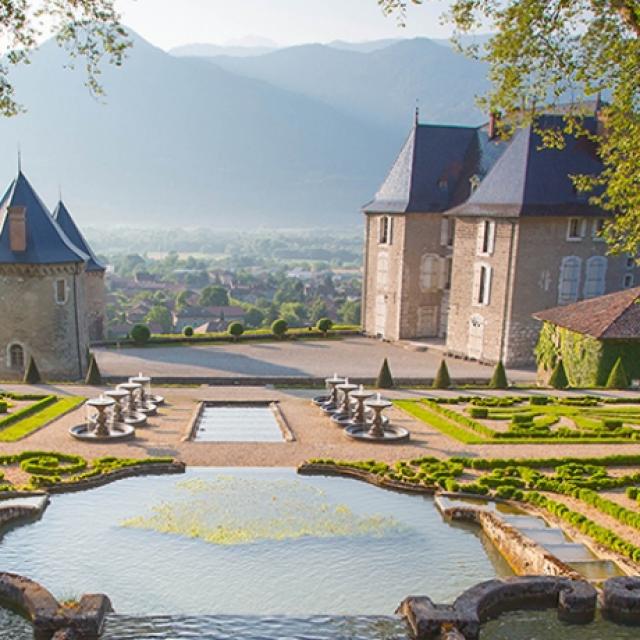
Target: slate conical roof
(433,169)
(47,243)
(67,224)
(529,180)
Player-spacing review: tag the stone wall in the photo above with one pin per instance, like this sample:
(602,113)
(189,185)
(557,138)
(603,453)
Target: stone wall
(55,334)
(96,300)
(526,266)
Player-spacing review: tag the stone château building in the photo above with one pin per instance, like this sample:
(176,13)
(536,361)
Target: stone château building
(51,289)
(470,234)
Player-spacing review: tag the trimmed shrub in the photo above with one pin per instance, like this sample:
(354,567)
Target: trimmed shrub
(610,424)
(522,418)
(478,412)
(499,378)
(539,400)
(32,375)
(3,406)
(279,327)
(94,378)
(442,379)
(235,329)
(140,334)
(187,332)
(558,379)
(384,379)
(618,378)
(324,325)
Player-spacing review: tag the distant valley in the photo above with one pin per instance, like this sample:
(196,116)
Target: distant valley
(291,137)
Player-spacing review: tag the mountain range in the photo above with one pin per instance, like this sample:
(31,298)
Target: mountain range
(297,137)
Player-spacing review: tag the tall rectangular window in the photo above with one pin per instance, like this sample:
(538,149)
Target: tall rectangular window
(628,280)
(569,282)
(61,291)
(481,284)
(486,237)
(385,230)
(575,229)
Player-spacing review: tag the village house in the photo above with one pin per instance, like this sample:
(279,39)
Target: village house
(470,234)
(214,318)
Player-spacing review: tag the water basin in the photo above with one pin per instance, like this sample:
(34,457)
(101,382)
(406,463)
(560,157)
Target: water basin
(237,423)
(249,541)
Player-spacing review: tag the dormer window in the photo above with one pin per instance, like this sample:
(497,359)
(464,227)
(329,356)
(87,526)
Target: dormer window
(474,182)
(443,184)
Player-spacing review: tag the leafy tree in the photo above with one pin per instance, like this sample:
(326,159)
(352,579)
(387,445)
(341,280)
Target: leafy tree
(160,315)
(558,379)
(183,299)
(295,313)
(318,310)
(546,50)
(442,379)
(279,328)
(324,325)
(214,296)
(253,316)
(384,379)
(140,334)
(32,375)
(235,329)
(291,290)
(94,377)
(350,312)
(499,378)
(618,378)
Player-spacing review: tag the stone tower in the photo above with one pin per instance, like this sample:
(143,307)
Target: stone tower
(95,291)
(42,292)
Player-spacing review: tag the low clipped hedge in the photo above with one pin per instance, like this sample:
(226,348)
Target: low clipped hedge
(27,411)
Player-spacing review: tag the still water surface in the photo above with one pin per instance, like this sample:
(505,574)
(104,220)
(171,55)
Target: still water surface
(248,542)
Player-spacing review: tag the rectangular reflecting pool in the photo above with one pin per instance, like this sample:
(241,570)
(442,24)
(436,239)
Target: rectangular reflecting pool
(238,423)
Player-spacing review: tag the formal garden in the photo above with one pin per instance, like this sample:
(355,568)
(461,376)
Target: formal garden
(530,418)
(24,413)
(576,491)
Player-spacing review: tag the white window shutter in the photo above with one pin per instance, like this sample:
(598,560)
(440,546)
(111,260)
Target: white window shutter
(569,283)
(487,285)
(475,291)
(480,237)
(442,272)
(444,231)
(595,276)
(492,237)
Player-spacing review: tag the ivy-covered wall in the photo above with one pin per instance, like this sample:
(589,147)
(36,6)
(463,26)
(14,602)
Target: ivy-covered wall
(587,361)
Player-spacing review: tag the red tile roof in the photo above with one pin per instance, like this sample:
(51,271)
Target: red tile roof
(615,316)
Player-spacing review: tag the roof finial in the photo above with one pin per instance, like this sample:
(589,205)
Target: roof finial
(59,192)
(417,118)
(19,159)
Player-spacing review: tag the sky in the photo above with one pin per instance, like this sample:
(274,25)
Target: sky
(169,23)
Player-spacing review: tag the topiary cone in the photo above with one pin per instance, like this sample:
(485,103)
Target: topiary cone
(558,379)
(32,375)
(618,378)
(442,379)
(384,379)
(94,378)
(499,378)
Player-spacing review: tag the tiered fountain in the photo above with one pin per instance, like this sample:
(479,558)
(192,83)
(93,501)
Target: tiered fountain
(358,412)
(117,412)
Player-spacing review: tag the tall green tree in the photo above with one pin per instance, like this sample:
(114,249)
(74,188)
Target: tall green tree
(160,315)
(214,296)
(88,30)
(545,50)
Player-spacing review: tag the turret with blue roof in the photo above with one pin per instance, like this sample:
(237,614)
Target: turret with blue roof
(45,242)
(62,216)
(43,289)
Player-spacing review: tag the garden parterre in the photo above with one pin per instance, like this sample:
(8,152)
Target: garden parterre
(526,419)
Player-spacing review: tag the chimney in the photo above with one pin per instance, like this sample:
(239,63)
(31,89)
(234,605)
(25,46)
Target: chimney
(17,228)
(493,125)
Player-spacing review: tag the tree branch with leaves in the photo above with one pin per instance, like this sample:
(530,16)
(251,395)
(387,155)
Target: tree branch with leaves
(89,30)
(545,52)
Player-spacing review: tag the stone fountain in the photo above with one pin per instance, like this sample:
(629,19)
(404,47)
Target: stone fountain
(330,406)
(101,424)
(131,413)
(376,429)
(146,393)
(344,411)
(332,395)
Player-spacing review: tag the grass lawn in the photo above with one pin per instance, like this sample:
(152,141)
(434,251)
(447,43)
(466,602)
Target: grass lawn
(18,428)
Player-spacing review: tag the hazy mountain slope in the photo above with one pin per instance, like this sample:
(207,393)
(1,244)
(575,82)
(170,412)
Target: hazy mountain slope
(204,50)
(181,141)
(382,85)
